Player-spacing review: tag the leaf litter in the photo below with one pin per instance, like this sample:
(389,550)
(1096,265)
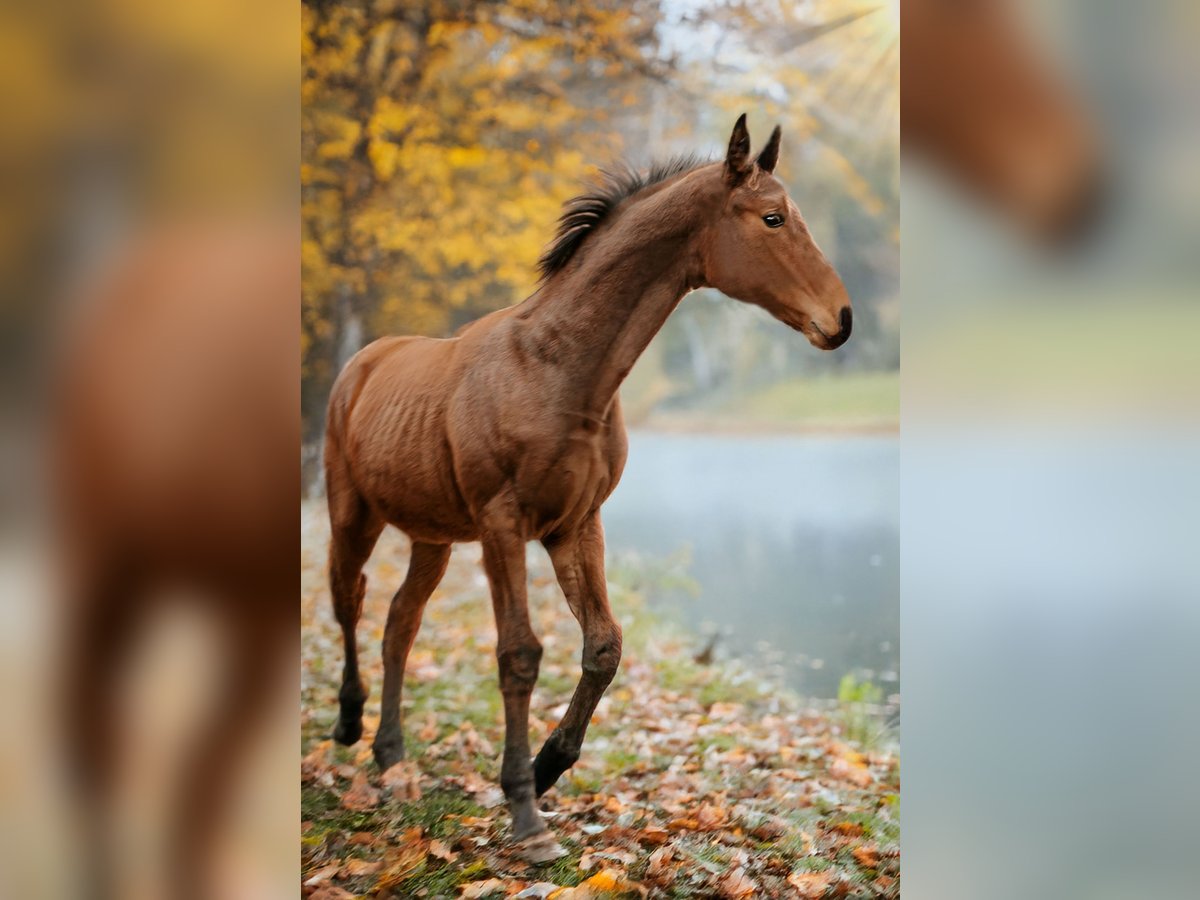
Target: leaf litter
(696,780)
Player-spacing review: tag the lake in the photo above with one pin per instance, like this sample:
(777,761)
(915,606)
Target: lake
(793,540)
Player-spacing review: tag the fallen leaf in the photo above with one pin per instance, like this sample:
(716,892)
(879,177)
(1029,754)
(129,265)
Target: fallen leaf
(853,772)
(329,892)
(356,868)
(314,763)
(322,874)
(440,850)
(538,891)
(603,882)
(660,864)
(361,796)
(711,816)
(401,860)
(478,889)
(404,781)
(868,857)
(811,885)
(736,884)
(653,834)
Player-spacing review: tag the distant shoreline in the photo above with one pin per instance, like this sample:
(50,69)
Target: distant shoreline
(726,425)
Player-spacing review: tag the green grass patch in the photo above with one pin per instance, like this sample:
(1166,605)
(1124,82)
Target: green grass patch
(855,398)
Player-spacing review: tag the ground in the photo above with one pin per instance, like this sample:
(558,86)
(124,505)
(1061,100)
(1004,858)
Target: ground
(696,780)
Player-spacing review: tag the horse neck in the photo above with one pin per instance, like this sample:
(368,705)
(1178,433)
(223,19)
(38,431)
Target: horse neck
(593,320)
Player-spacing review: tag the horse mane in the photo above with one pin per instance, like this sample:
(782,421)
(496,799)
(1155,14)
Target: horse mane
(584,214)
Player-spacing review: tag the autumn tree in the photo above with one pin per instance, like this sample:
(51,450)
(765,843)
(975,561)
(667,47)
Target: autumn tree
(439,140)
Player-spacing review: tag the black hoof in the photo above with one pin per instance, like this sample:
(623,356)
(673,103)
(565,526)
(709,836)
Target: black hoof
(549,765)
(349,727)
(388,753)
(347,733)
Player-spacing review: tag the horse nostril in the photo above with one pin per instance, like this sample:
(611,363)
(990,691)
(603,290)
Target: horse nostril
(845,319)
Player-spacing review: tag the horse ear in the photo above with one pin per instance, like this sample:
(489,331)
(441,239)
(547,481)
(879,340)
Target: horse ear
(770,153)
(738,157)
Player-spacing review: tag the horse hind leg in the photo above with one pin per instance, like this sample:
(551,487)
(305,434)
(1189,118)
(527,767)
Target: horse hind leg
(354,529)
(106,619)
(426,566)
(255,659)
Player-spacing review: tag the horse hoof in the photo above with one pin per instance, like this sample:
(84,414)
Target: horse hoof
(387,755)
(549,765)
(539,849)
(347,732)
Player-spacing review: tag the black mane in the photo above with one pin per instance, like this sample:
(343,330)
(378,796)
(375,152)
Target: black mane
(583,214)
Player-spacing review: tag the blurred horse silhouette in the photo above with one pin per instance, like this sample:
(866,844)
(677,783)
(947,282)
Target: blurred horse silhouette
(176,467)
(978,101)
(512,430)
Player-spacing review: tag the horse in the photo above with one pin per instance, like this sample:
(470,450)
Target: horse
(978,100)
(172,442)
(511,430)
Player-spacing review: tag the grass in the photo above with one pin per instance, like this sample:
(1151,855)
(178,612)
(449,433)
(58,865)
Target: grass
(855,402)
(860,398)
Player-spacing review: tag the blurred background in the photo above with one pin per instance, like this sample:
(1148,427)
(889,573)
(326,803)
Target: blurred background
(1049,510)
(439,142)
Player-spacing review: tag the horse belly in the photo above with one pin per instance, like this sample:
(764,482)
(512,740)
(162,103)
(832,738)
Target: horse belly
(403,468)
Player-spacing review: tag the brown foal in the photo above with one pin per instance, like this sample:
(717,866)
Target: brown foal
(511,431)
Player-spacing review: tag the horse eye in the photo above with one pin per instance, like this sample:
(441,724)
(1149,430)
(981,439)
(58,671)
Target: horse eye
(773,220)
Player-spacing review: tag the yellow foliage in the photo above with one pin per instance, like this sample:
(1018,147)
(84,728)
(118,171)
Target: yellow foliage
(345,135)
(436,155)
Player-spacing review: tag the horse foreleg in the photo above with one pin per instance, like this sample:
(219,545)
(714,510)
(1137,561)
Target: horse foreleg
(426,566)
(519,654)
(579,565)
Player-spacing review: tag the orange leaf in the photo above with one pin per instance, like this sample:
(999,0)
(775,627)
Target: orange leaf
(355,868)
(653,834)
(868,857)
(736,884)
(361,795)
(403,780)
(329,892)
(710,816)
(314,763)
(477,889)
(853,772)
(811,885)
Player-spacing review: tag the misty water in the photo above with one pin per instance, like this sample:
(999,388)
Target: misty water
(793,542)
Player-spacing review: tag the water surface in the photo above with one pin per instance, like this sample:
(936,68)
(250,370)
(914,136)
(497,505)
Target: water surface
(794,543)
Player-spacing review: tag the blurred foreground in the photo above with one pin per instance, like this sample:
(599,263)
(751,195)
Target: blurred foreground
(149,413)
